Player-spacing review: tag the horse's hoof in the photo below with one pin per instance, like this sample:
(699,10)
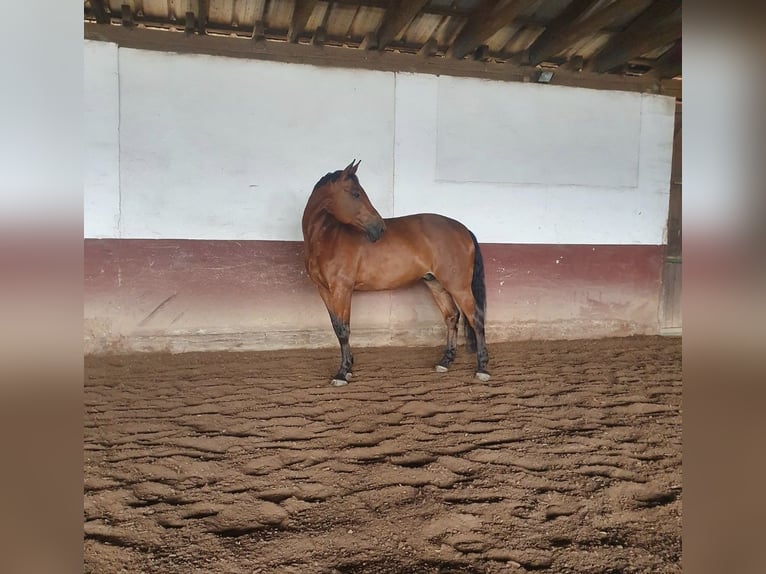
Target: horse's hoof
(441,369)
(484,377)
(349,375)
(338,382)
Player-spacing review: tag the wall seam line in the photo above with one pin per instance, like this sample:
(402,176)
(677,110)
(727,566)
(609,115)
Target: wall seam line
(119,146)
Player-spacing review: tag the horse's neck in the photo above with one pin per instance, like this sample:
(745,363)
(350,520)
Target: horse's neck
(316,217)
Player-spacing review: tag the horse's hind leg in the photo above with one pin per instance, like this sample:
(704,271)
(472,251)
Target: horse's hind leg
(451,315)
(338,303)
(467,304)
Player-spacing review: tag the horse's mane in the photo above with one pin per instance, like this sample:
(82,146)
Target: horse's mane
(333,176)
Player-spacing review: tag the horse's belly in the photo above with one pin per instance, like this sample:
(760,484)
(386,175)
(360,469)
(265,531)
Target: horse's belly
(389,277)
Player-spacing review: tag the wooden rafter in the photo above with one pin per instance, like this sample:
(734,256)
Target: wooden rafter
(657,26)
(398,16)
(370,41)
(483,23)
(258,34)
(301,15)
(428,49)
(566,31)
(127,15)
(318,39)
(189,23)
(669,64)
(99,11)
(204,12)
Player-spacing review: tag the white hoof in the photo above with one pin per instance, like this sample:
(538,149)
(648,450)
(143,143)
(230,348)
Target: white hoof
(484,377)
(338,382)
(441,369)
(349,375)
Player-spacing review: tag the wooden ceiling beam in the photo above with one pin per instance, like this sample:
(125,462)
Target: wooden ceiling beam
(657,26)
(301,15)
(148,39)
(483,24)
(397,17)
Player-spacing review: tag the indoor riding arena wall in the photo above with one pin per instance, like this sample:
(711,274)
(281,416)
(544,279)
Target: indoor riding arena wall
(199,168)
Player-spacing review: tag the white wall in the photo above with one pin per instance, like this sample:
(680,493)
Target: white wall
(516,178)
(220,148)
(101,172)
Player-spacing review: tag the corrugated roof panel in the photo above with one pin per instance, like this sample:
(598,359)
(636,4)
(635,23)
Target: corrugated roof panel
(246,12)
(149,8)
(340,20)
(449,29)
(654,54)
(523,39)
(548,10)
(422,28)
(221,12)
(626,16)
(588,47)
(499,39)
(466,5)
(317,16)
(532,8)
(114,5)
(278,15)
(368,19)
(597,7)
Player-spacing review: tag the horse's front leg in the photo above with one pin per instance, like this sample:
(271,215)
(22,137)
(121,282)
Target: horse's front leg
(338,303)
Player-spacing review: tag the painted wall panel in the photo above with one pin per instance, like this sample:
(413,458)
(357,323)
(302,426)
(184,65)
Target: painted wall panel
(508,132)
(222,148)
(101,168)
(219,148)
(533,213)
(180,295)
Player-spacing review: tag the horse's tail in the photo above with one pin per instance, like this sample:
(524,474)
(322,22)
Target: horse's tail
(479,291)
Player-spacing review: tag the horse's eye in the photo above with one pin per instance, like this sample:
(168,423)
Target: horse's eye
(355,194)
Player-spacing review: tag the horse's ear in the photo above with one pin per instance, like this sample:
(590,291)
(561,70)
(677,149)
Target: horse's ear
(350,168)
(354,167)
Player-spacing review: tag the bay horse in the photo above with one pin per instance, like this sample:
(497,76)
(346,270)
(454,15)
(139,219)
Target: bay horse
(349,247)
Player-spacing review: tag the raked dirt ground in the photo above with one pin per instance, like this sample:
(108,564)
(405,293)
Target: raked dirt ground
(568,460)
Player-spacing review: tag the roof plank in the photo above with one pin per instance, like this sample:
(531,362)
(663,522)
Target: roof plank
(485,21)
(398,16)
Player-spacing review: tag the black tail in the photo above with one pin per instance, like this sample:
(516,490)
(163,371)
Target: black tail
(479,291)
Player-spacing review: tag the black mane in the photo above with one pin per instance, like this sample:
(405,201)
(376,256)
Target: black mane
(333,176)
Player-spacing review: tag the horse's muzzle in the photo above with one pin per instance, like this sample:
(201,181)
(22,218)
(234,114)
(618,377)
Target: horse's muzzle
(375,230)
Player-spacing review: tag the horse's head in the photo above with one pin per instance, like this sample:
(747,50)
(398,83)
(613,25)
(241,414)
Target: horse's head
(349,204)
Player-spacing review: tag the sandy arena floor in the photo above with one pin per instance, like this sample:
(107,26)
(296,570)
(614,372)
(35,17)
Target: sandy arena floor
(567,460)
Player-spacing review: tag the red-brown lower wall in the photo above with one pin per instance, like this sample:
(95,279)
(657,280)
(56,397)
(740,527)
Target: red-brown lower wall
(183,295)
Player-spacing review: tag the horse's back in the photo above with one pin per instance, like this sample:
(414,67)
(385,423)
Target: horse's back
(414,246)
(431,224)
